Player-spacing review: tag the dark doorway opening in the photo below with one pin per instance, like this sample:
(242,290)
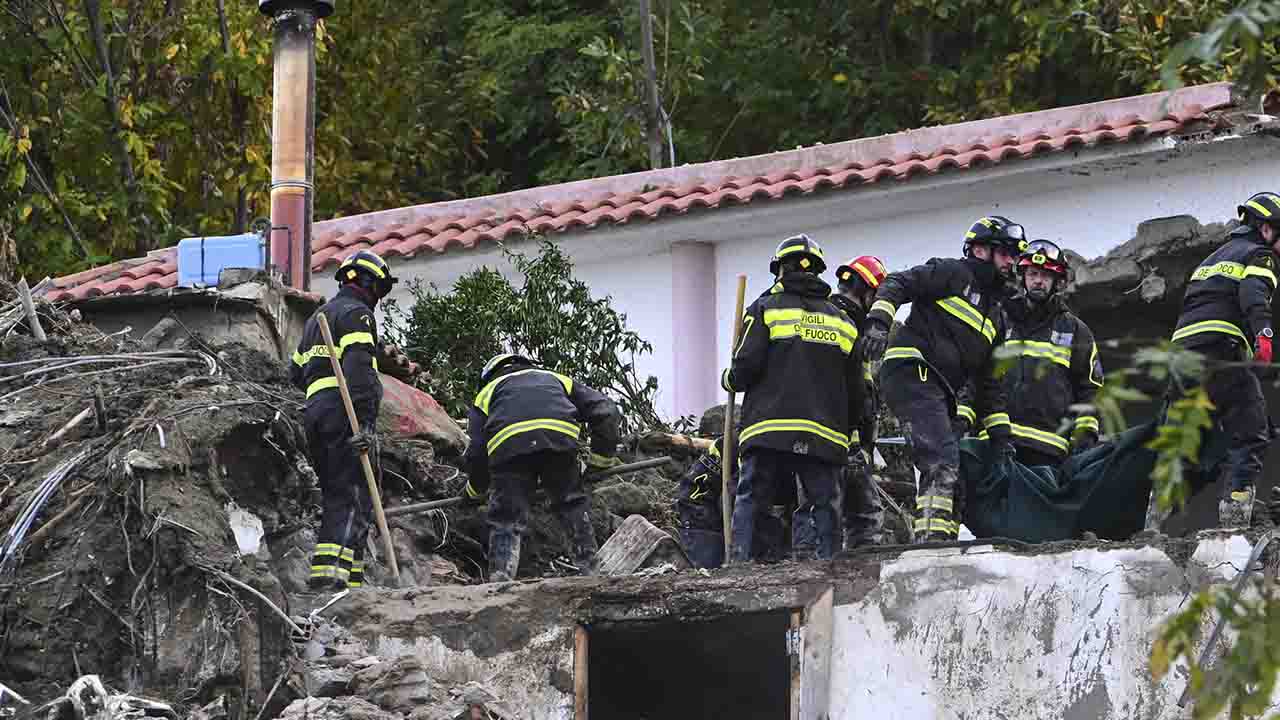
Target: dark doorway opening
(734,667)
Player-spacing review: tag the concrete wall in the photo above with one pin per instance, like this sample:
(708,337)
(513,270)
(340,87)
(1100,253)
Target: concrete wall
(989,635)
(1089,201)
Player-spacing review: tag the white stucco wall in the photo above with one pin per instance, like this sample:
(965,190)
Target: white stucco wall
(1089,201)
(985,635)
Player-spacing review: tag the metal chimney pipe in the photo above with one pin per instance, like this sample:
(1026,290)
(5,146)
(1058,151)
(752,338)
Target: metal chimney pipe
(293,128)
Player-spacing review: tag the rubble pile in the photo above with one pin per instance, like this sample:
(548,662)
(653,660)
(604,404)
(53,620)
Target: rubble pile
(157,511)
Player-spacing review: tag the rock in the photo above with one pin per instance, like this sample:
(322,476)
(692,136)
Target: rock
(408,413)
(625,498)
(399,685)
(216,710)
(712,422)
(158,333)
(324,680)
(339,708)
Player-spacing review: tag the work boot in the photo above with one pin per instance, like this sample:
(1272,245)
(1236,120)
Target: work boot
(1236,509)
(584,541)
(935,506)
(504,555)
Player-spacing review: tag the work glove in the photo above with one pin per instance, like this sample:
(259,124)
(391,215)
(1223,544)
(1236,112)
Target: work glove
(365,440)
(1083,441)
(597,462)
(1262,347)
(873,342)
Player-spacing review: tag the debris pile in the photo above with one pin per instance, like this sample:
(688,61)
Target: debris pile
(157,512)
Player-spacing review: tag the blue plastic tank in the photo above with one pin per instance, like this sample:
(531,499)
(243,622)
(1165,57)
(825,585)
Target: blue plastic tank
(201,259)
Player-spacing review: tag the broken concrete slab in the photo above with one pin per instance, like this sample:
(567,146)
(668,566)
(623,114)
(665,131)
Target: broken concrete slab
(637,545)
(339,708)
(398,685)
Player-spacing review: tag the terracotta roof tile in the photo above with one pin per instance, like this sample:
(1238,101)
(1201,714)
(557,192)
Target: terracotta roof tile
(623,199)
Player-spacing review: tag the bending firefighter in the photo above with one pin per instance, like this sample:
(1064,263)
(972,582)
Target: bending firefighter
(363,280)
(525,425)
(1226,317)
(701,521)
(948,340)
(1055,371)
(863,513)
(803,383)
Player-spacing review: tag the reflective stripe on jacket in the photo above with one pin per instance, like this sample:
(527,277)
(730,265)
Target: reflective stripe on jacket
(355,337)
(1228,296)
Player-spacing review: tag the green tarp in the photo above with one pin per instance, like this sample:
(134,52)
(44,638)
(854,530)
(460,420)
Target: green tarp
(1104,490)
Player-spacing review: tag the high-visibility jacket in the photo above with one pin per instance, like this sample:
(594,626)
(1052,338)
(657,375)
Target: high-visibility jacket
(1228,298)
(955,325)
(355,336)
(526,410)
(796,364)
(1051,375)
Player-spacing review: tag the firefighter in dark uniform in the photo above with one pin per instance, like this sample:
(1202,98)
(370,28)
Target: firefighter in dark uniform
(363,280)
(1054,372)
(1226,317)
(796,364)
(956,323)
(524,426)
(699,509)
(863,512)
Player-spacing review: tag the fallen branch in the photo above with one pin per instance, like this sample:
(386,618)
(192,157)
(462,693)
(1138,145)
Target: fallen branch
(288,621)
(48,527)
(29,309)
(71,425)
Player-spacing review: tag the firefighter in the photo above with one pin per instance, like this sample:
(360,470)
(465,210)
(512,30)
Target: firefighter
(1226,318)
(524,427)
(863,513)
(802,381)
(956,322)
(363,278)
(701,525)
(1054,372)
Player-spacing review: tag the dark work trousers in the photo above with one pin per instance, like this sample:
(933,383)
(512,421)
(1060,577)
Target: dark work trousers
(513,483)
(919,401)
(863,509)
(815,524)
(346,506)
(702,532)
(1241,412)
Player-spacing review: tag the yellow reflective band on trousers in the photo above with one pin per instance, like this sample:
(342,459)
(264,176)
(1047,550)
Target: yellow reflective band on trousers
(1210,326)
(960,308)
(1043,350)
(923,525)
(967,413)
(814,327)
(855,437)
(995,419)
(796,425)
(506,433)
(936,502)
(1047,438)
(486,394)
(1087,422)
(884,306)
(903,353)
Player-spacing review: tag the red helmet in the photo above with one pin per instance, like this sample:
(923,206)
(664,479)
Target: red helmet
(867,267)
(1045,255)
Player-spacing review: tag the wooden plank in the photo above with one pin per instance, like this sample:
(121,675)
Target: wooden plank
(638,544)
(793,650)
(580,673)
(815,664)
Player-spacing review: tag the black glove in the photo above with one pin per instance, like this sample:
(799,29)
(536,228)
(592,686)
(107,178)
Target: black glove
(873,342)
(1083,441)
(365,440)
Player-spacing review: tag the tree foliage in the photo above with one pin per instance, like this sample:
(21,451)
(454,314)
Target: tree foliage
(551,318)
(128,124)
